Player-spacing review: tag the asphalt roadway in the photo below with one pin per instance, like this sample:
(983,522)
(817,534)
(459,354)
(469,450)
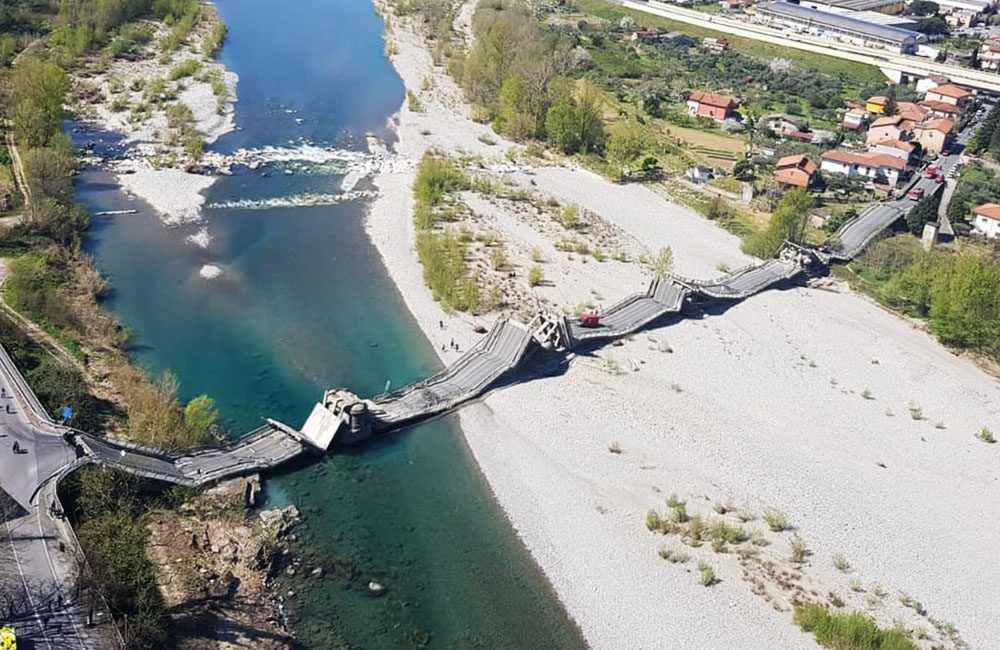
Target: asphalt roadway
(38,553)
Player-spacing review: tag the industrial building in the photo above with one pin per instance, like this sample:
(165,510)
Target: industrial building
(881,6)
(838,27)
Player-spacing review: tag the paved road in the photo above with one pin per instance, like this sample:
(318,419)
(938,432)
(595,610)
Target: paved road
(38,553)
(858,233)
(883,59)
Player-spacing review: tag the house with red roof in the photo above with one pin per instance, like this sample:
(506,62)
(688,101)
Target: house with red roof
(891,127)
(711,105)
(934,135)
(794,171)
(903,150)
(986,219)
(941,109)
(879,168)
(949,94)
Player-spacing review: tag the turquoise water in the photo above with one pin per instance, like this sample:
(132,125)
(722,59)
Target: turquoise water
(304,304)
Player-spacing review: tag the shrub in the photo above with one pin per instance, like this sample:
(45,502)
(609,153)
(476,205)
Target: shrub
(535,276)
(653,520)
(570,217)
(986,435)
(706,575)
(841,563)
(776,519)
(854,631)
(413,102)
(799,552)
(184,69)
(615,447)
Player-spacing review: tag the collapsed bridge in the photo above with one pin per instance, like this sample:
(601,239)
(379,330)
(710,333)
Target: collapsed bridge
(494,360)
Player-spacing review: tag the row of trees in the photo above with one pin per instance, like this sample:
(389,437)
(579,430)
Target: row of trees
(515,74)
(957,292)
(987,139)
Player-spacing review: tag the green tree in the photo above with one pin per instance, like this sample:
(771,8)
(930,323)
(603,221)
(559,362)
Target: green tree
(39,90)
(561,126)
(514,117)
(787,223)
(922,8)
(590,126)
(626,143)
(200,416)
(923,213)
(933,26)
(965,302)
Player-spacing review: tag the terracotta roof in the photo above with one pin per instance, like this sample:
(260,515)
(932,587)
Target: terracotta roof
(878,100)
(793,176)
(712,99)
(796,161)
(896,144)
(988,210)
(865,159)
(950,90)
(888,120)
(943,125)
(940,107)
(911,111)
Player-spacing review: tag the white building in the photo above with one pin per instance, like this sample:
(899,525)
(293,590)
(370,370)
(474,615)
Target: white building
(879,168)
(986,219)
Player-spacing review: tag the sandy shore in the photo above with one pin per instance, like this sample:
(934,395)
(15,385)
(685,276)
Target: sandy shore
(799,400)
(154,168)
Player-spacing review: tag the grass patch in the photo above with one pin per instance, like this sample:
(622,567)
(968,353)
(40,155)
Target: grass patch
(854,631)
(776,520)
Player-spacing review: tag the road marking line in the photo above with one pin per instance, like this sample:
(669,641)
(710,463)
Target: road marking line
(55,579)
(24,582)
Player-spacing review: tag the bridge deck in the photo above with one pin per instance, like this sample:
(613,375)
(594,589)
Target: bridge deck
(632,313)
(262,449)
(495,355)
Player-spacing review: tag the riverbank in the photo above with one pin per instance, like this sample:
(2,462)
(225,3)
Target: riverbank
(167,103)
(720,407)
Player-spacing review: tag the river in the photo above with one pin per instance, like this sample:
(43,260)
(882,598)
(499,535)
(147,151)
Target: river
(304,304)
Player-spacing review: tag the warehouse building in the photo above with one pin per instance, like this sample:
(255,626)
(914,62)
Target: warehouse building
(837,27)
(881,6)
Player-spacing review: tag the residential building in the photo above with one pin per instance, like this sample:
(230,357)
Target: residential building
(986,219)
(855,119)
(801,18)
(934,135)
(892,127)
(905,151)
(876,104)
(949,94)
(878,168)
(941,110)
(794,171)
(780,124)
(911,112)
(925,84)
(989,55)
(710,105)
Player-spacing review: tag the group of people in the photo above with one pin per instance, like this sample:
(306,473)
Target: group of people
(452,345)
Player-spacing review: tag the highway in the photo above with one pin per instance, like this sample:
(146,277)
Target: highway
(882,59)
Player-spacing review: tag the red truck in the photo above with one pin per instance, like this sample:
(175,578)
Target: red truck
(590,319)
(915,194)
